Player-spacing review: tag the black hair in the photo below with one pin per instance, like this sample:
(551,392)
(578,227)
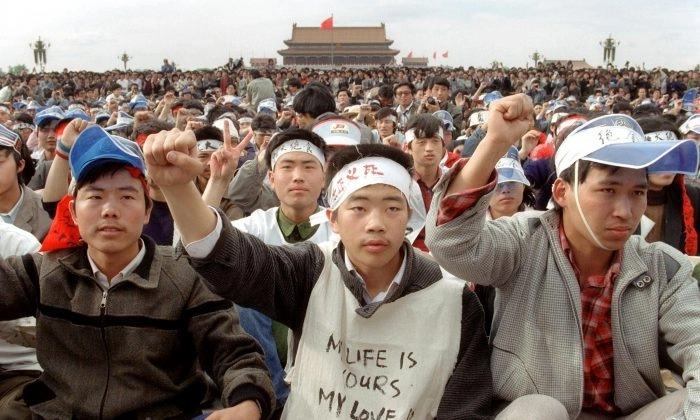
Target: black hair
(263,122)
(425,125)
(152,126)
(208,132)
(658,123)
(293,134)
(385,112)
(439,80)
(295,83)
(386,91)
(190,104)
(348,155)
(408,84)
(315,99)
(107,168)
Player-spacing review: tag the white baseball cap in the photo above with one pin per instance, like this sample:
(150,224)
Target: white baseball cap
(617,140)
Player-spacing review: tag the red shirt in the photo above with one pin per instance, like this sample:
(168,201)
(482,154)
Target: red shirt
(596,297)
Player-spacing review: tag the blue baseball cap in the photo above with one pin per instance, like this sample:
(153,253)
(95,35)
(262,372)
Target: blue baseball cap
(9,138)
(76,113)
(492,96)
(448,122)
(94,146)
(54,113)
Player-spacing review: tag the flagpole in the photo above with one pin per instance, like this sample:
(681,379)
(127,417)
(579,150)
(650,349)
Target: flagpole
(332,43)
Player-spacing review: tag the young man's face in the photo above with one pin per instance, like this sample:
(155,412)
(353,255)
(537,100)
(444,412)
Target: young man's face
(297,180)
(385,127)
(8,171)
(404,96)
(343,97)
(441,92)
(110,214)
(47,136)
(507,198)
(427,151)
(372,223)
(612,201)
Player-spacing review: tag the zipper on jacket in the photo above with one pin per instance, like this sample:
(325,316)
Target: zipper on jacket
(103,312)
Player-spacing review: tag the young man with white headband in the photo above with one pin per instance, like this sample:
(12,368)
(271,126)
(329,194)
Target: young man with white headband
(379,332)
(586,313)
(295,159)
(425,143)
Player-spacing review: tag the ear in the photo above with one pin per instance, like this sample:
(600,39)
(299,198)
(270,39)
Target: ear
(560,190)
(271,178)
(71,207)
(20,165)
(332,219)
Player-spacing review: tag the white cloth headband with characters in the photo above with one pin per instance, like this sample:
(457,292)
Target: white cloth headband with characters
(298,145)
(410,134)
(660,136)
(209,145)
(364,172)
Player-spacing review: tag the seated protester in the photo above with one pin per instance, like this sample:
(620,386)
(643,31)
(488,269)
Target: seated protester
(18,361)
(295,160)
(539,164)
(448,128)
(346,299)
(135,354)
(46,123)
(387,121)
(512,195)
(250,190)
(673,208)
(315,103)
(19,205)
(587,312)
(426,145)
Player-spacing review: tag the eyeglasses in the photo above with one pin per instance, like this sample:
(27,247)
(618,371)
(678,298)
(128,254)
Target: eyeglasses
(403,93)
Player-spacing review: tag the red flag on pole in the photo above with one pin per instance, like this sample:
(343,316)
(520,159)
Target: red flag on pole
(327,24)
(434,55)
(410,55)
(444,55)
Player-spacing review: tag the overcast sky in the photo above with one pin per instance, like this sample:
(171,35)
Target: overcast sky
(91,35)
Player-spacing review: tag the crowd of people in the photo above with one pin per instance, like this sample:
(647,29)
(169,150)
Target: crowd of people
(450,243)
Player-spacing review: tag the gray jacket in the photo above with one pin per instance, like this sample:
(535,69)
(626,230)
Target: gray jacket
(536,337)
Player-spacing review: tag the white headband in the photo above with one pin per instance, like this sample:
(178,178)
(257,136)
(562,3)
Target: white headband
(298,145)
(244,120)
(478,118)
(410,135)
(364,172)
(209,145)
(660,136)
(390,118)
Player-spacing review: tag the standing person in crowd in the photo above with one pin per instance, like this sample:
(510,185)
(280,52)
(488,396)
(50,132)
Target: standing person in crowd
(587,313)
(295,162)
(372,281)
(258,88)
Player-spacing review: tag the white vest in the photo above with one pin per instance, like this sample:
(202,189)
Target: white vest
(394,364)
(17,337)
(263,225)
